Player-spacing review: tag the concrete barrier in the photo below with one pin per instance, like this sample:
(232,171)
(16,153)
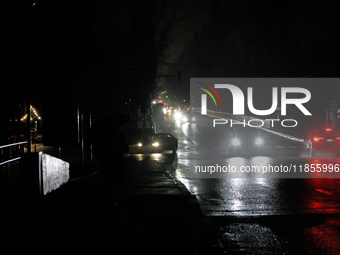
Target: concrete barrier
(42,173)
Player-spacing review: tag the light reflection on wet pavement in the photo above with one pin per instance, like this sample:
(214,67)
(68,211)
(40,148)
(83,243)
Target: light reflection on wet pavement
(263,215)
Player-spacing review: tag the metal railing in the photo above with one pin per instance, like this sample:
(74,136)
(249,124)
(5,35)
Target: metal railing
(11,152)
(10,156)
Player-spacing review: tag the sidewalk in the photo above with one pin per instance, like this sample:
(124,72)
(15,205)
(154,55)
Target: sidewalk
(156,215)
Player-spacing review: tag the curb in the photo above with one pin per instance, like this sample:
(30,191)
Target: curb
(208,240)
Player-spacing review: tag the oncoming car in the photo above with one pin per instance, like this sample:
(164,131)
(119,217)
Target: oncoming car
(322,142)
(186,115)
(160,143)
(246,141)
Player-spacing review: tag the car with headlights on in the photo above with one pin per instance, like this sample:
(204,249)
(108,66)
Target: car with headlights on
(244,141)
(160,143)
(322,142)
(187,115)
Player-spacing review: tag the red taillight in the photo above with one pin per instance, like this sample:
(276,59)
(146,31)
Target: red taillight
(317,138)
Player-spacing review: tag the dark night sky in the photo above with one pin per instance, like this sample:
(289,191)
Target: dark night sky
(106,49)
(264,39)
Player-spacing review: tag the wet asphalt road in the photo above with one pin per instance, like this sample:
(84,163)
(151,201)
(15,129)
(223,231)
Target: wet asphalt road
(261,213)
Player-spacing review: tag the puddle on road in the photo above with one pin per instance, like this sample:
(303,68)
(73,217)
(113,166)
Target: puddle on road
(245,238)
(305,234)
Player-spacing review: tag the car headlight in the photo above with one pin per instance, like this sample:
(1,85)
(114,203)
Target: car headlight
(258,141)
(178,115)
(236,142)
(184,119)
(155,144)
(140,144)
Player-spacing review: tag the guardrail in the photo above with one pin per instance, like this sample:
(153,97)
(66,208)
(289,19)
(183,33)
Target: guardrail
(10,155)
(14,150)
(29,174)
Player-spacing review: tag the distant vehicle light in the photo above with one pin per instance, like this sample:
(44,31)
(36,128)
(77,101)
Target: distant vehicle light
(155,144)
(258,141)
(317,138)
(140,144)
(236,142)
(328,129)
(164,110)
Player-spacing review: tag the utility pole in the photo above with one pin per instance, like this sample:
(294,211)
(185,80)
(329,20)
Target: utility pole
(28,123)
